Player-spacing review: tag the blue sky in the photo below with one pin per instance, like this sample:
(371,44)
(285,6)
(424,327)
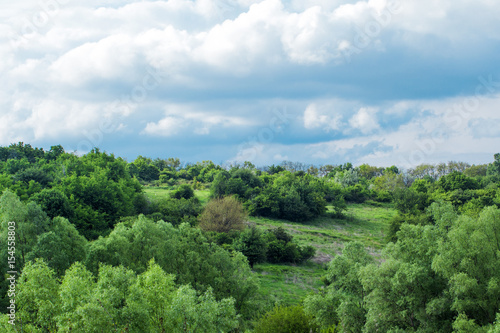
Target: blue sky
(325,82)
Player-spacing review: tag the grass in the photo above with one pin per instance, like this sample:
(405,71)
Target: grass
(164,191)
(362,222)
(288,284)
(157,191)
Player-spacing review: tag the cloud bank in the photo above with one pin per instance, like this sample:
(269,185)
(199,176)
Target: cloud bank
(378,81)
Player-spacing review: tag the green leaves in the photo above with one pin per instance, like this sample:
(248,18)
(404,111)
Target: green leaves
(192,313)
(291,319)
(117,301)
(37,299)
(344,298)
(469,257)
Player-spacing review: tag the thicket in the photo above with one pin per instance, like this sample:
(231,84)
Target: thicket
(440,277)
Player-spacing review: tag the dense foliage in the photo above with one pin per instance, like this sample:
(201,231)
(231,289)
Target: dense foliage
(441,277)
(96,254)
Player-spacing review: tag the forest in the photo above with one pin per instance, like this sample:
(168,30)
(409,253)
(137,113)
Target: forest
(101,244)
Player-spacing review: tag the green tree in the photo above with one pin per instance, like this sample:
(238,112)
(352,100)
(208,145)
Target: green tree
(102,306)
(37,298)
(154,291)
(252,244)
(54,203)
(469,259)
(61,246)
(183,251)
(192,313)
(404,292)
(343,302)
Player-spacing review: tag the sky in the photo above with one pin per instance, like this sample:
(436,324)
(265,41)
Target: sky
(383,82)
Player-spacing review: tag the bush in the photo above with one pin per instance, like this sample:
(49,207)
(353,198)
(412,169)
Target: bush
(184,191)
(307,252)
(280,248)
(290,319)
(252,245)
(223,215)
(175,211)
(356,193)
(275,250)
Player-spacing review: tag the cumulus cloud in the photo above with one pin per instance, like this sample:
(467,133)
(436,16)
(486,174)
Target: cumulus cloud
(365,120)
(167,126)
(181,119)
(313,118)
(223,63)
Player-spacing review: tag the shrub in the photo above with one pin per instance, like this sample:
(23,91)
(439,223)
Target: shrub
(281,249)
(290,319)
(223,215)
(356,193)
(252,245)
(307,252)
(184,191)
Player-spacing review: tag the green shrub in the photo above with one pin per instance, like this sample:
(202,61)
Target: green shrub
(290,319)
(223,215)
(184,191)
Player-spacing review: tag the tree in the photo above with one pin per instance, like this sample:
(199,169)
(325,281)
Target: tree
(192,313)
(37,298)
(60,247)
(30,221)
(183,251)
(469,259)
(343,302)
(389,181)
(223,215)
(457,180)
(54,203)
(144,169)
(154,291)
(34,173)
(367,171)
(404,292)
(252,244)
(347,177)
(104,306)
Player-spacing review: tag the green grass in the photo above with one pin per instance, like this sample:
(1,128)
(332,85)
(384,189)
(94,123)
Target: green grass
(288,284)
(203,196)
(157,192)
(362,222)
(164,191)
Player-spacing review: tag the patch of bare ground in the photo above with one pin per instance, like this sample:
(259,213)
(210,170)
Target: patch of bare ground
(321,258)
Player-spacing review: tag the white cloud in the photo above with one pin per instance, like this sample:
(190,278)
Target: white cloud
(316,119)
(110,58)
(238,56)
(365,120)
(168,126)
(279,157)
(184,119)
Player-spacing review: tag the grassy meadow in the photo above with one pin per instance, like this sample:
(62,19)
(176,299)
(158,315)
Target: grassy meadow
(289,284)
